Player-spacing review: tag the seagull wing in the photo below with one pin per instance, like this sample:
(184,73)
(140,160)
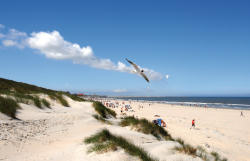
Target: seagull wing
(138,70)
(134,65)
(144,76)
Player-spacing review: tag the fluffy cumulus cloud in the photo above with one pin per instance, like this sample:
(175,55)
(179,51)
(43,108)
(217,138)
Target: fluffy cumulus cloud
(53,46)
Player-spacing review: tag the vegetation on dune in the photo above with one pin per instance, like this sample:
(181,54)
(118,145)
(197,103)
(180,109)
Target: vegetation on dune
(28,94)
(144,126)
(8,106)
(23,92)
(105,141)
(100,118)
(217,157)
(62,100)
(46,103)
(197,151)
(185,148)
(37,102)
(102,110)
(9,86)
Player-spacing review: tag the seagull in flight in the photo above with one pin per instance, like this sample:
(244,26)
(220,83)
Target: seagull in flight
(138,70)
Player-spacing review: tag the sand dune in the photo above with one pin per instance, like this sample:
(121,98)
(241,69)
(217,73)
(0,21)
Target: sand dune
(58,134)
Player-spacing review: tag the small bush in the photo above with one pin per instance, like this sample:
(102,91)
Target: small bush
(217,156)
(62,100)
(52,97)
(8,106)
(144,126)
(179,140)
(46,103)
(22,100)
(102,110)
(201,152)
(103,147)
(187,149)
(37,102)
(105,141)
(99,118)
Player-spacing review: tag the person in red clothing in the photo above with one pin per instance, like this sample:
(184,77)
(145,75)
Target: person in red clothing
(193,123)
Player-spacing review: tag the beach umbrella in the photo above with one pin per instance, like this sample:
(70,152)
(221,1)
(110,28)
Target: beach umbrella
(138,70)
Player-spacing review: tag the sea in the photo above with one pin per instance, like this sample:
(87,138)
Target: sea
(213,102)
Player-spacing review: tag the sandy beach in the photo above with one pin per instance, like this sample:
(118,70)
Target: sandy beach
(58,133)
(220,130)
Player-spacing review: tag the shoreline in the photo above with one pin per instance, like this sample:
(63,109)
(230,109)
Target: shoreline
(181,105)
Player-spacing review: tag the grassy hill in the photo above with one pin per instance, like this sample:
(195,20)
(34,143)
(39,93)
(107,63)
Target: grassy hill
(12,93)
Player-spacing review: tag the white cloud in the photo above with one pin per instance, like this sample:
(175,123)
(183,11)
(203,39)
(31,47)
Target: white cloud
(9,43)
(119,90)
(167,76)
(2,35)
(15,34)
(14,38)
(2,26)
(53,46)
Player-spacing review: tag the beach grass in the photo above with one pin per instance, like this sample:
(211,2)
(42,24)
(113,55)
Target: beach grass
(197,151)
(202,153)
(187,149)
(103,111)
(217,157)
(146,127)
(23,92)
(8,106)
(100,118)
(45,103)
(37,102)
(105,141)
(62,100)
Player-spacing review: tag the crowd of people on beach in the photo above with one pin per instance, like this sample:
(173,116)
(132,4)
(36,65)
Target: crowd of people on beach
(126,107)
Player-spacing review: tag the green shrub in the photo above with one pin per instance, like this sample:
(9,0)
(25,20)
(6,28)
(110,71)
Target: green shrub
(187,149)
(37,102)
(102,110)
(8,106)
(105,141)
(217,156)
(100,118)
(179,140)
(51,96)
(62,100)
(201,152)
(46,103)
(97,117)
(144,126)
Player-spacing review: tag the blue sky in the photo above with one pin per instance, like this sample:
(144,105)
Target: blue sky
(203,46)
